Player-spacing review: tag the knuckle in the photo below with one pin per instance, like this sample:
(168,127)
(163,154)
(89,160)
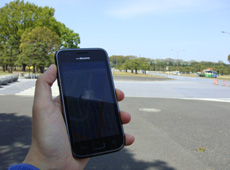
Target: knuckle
(39,80)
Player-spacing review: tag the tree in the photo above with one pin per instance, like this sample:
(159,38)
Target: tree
(229,58)
(19,16)
(119,60)
(127,66)
(38,46)
(159,63)
(136,64)
(10,52)
(144,64)
(69,39)
(197,66)
(9,34)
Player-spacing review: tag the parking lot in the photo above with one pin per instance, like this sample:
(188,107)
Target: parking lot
(178,124)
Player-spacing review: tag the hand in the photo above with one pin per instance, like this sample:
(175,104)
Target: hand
(50,148)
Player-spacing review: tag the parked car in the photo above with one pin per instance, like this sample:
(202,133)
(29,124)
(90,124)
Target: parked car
(207,73)
(211,74)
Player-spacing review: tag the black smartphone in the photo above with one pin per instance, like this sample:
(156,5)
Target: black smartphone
(89,102)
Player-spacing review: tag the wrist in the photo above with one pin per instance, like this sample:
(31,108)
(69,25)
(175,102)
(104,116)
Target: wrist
(36,159)
(47,163)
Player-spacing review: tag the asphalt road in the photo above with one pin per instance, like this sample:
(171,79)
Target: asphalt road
(171,134)
(179,88)
(178,124)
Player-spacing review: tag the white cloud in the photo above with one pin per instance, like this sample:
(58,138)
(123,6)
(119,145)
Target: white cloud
(133,8)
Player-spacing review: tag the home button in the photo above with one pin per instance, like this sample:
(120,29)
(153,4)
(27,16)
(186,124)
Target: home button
(98,145)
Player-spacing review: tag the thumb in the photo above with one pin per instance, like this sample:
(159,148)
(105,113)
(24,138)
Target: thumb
(44,83)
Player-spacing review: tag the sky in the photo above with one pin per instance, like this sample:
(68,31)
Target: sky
(178,29)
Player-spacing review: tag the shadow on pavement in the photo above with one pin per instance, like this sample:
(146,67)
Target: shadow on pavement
(123,160)
(15,138)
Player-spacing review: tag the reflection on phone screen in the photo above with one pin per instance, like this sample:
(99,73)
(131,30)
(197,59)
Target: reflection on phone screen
(89,102)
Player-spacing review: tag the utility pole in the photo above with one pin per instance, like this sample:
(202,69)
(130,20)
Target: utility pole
(177,55)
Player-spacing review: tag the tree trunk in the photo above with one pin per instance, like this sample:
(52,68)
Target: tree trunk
(34,68)
(41,69)
(23,67)
(11,69)
(3,68)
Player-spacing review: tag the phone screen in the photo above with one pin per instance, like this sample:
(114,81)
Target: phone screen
(89,101)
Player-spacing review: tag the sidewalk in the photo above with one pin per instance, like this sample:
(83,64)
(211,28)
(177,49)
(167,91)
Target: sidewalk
(16,87)
(24,87)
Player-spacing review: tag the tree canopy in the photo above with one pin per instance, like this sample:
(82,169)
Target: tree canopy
(38,46)
(18,18)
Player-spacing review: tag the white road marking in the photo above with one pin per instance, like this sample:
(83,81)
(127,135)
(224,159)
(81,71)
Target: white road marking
(30,91)
(210,99)
(150,110)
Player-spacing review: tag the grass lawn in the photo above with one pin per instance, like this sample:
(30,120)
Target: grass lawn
(4,73)
(224,77)
(119,73)
(22,72)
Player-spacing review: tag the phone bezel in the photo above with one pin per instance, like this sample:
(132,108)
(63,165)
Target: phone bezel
(91,52)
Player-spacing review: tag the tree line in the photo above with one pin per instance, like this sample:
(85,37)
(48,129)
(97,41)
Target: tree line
(30,35)
(135,63)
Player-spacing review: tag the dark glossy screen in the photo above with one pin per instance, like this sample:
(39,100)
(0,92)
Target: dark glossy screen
(89,100)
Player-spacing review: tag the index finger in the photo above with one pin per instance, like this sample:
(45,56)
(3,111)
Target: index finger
(120,95)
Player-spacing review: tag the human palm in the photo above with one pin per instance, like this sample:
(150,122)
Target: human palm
(50,148)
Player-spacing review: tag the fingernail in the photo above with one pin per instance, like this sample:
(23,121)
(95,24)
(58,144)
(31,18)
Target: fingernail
(49,67)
